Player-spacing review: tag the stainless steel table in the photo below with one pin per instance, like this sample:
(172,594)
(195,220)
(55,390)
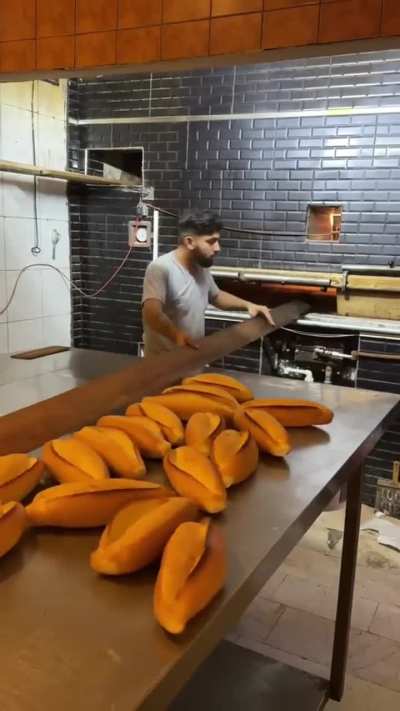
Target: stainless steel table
(26,382)
(74,641)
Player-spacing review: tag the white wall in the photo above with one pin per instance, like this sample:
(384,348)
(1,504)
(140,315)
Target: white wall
(40,313)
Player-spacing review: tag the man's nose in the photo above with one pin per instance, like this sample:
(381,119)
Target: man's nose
(217,247)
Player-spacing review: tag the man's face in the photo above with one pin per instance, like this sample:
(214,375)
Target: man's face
(204,248)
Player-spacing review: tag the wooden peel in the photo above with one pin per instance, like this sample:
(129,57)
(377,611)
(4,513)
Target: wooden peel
(388,493)
(30,427)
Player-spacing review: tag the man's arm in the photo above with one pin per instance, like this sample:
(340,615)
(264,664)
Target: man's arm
(159,322)
(153,300)
(228,302)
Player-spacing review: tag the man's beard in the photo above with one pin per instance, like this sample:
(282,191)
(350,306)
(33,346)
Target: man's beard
(201,260)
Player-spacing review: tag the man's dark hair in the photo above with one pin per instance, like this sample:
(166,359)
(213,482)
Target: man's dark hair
(199,223)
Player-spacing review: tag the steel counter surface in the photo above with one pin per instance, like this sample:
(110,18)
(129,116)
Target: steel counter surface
(73,640)
(27,382)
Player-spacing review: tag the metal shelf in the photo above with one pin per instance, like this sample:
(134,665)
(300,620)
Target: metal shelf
(384,327)
(68,175)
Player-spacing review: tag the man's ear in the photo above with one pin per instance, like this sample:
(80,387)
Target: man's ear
(189,242)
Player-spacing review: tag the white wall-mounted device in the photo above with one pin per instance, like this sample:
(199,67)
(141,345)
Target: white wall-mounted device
(140,234)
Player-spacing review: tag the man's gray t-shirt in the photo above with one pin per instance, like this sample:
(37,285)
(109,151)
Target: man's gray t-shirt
(185,297)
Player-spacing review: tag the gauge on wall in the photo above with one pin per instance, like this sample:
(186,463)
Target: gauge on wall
(140,234)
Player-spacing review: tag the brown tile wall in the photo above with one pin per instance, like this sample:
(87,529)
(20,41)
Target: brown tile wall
(49,34)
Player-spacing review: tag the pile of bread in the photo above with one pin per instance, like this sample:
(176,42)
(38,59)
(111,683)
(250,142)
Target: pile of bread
(144,521)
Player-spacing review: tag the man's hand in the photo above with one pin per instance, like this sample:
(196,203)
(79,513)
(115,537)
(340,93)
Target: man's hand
(183,339)
(260,310)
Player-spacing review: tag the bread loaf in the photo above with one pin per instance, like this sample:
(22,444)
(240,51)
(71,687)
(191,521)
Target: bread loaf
(201,430)
(116,448)
(186,400)
(294,413)
(235,455)
(143,431)
(89,504)
(169,423)
(192,572)
(269,434)
(234,387)
(19,474)
(71,460)
(194,476)
(12,525)
(138,533)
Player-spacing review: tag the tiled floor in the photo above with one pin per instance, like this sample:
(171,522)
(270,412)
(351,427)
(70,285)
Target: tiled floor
(292,620)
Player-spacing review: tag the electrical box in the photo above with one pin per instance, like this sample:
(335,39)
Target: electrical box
(140,234)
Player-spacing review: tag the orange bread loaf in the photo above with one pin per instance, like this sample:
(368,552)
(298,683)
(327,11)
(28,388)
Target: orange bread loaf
(269,434)
(192,572)
(232,386)
(169,423)
(12,525)
(89,504)
(201,430)
(194,476)
(145,433)
(72,460)
(235,455)
(19,474)
(138,533)
(294,413)
(186,400)
(116,448)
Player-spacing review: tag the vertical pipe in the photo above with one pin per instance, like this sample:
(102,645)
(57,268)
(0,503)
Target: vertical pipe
(156,222)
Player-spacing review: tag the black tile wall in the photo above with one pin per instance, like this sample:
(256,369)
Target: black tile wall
(99,236)
(370,79)
(246,359)
(260,173)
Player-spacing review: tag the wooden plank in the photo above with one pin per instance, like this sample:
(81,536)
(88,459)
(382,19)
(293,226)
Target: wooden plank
(40,352)
(369,305)
(30,427)
(41,172)
(371,282)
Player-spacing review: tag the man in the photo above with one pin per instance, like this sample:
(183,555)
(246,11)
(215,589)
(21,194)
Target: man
(178,287)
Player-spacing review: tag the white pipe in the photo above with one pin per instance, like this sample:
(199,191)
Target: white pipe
(156,222)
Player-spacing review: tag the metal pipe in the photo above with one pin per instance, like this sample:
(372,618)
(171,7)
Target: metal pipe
(365,269)
(376,356)
(219,315)
(264,276)
(277,279)
(156,223)
(230,273)
(379,328)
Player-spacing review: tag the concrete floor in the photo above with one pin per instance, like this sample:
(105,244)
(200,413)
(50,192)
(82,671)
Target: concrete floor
(292,620)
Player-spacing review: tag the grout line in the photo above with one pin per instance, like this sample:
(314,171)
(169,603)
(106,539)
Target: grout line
(279,616)
(150,93)
(187,145)
(233,88)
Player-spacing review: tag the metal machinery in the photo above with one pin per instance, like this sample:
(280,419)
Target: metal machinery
(352,313)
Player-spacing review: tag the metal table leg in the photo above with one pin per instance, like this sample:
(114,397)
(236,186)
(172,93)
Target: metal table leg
(346,587)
